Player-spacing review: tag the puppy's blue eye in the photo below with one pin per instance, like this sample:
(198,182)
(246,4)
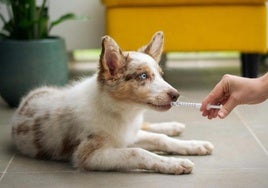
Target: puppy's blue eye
(143,76)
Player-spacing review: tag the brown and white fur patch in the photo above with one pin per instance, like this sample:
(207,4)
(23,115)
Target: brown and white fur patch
(98,123)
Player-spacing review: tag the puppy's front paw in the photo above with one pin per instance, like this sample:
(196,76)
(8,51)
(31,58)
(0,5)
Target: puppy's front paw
(180,166)
(174,128)
(168,128)
(200,148)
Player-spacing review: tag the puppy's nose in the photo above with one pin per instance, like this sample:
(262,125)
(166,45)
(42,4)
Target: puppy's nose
(174,95)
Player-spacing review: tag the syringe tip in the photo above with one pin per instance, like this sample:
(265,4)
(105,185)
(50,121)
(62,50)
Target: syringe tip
(210,106)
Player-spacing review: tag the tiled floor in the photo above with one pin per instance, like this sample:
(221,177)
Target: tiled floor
(240,158)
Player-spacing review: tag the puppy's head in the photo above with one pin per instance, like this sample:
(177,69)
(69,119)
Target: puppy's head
(135,77)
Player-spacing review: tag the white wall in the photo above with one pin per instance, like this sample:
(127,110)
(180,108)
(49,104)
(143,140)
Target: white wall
(78,35)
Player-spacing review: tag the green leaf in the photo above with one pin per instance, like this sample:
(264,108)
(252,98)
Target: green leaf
(68,16)
(42,21)
(42,27)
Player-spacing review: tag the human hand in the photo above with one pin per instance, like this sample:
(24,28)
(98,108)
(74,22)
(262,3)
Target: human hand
(232,91)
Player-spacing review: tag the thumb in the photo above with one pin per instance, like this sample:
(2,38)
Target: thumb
(227,108)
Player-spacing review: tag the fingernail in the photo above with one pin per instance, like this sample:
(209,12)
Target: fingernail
(221,114)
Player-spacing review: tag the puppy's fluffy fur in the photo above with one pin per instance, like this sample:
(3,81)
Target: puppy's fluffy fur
(98,123)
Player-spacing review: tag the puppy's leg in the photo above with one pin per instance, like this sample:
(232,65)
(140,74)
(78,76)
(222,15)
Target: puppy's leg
(161,142)
(128,159)
(167,128)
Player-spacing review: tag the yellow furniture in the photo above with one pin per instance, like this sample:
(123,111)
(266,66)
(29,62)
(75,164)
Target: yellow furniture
(192,25)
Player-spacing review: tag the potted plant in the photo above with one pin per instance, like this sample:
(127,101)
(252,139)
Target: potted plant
(30,57)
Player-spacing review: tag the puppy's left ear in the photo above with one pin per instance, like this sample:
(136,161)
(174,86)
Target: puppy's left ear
(155,46)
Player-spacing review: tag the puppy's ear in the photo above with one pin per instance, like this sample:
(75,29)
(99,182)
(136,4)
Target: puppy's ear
(155,46)
(111,58)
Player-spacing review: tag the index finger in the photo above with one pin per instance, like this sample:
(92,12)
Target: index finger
(215,95)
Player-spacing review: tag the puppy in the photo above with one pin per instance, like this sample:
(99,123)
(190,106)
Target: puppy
(98,123)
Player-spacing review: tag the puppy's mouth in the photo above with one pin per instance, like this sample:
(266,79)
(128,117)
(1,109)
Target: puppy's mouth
(160,107)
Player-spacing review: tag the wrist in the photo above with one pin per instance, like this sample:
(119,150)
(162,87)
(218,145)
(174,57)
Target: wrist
(264,85)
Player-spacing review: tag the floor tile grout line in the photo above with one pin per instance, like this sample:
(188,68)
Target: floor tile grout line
(251,131)
(8,164)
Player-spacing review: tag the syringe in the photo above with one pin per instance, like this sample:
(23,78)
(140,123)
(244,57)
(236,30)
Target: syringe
(194,105)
